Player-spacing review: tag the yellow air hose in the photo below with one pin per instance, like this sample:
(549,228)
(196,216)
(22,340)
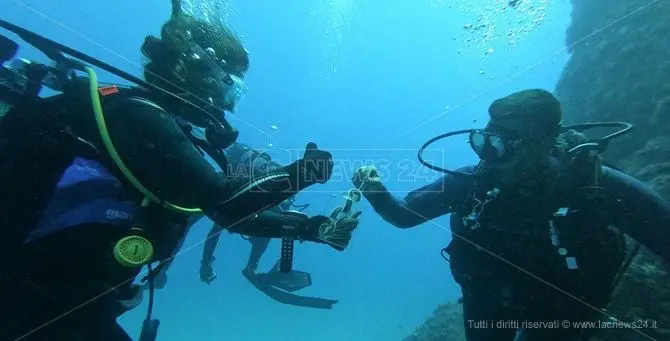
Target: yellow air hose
(107,141)
(133,250)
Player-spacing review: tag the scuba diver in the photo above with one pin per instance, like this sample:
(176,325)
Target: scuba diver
(99,181)
(541,201)
(280,282)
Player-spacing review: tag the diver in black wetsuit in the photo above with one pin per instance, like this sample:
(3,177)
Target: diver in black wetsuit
(537,201)
(277,283)
(99,181)
(247,162)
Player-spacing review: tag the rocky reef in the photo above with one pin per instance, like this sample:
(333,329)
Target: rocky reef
(619,71)
(446,324)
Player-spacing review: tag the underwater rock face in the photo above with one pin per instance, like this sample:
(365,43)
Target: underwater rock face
(446,324)
(619,71)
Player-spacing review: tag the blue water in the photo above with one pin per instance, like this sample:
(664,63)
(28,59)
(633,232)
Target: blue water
(367,80)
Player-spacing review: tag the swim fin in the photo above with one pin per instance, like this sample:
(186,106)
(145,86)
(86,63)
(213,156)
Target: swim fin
(288,281)
(286,297)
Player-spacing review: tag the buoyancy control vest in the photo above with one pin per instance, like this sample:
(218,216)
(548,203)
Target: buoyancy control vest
(561,236)
(87,193)
(76,186)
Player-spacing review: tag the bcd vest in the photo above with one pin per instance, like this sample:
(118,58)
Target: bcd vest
(87,192)
(565,238)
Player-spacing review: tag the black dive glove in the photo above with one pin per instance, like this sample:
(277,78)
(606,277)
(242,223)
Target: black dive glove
(317,164)
(310,227)
(337,231)
(321,229)
(299,226)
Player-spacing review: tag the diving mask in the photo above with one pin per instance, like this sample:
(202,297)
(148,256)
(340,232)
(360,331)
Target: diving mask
(228,89)
(233,92)
(223,91)
(492,146)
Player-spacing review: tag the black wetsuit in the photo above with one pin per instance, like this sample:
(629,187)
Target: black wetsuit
(248,162)
(515,228)
(59,228)
(258,244)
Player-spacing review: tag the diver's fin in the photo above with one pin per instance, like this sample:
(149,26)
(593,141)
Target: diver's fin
(286,297)
(288,281)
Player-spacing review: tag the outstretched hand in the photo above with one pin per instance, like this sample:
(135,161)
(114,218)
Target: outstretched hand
(367,180)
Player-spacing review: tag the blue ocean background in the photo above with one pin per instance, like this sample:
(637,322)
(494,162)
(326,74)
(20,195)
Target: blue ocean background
(370,81)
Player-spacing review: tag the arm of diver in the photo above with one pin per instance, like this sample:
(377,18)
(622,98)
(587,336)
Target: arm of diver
(404,213)
(261,193)
(210,244)
(266,224)
(163,157)
(646,215)
(420,205)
